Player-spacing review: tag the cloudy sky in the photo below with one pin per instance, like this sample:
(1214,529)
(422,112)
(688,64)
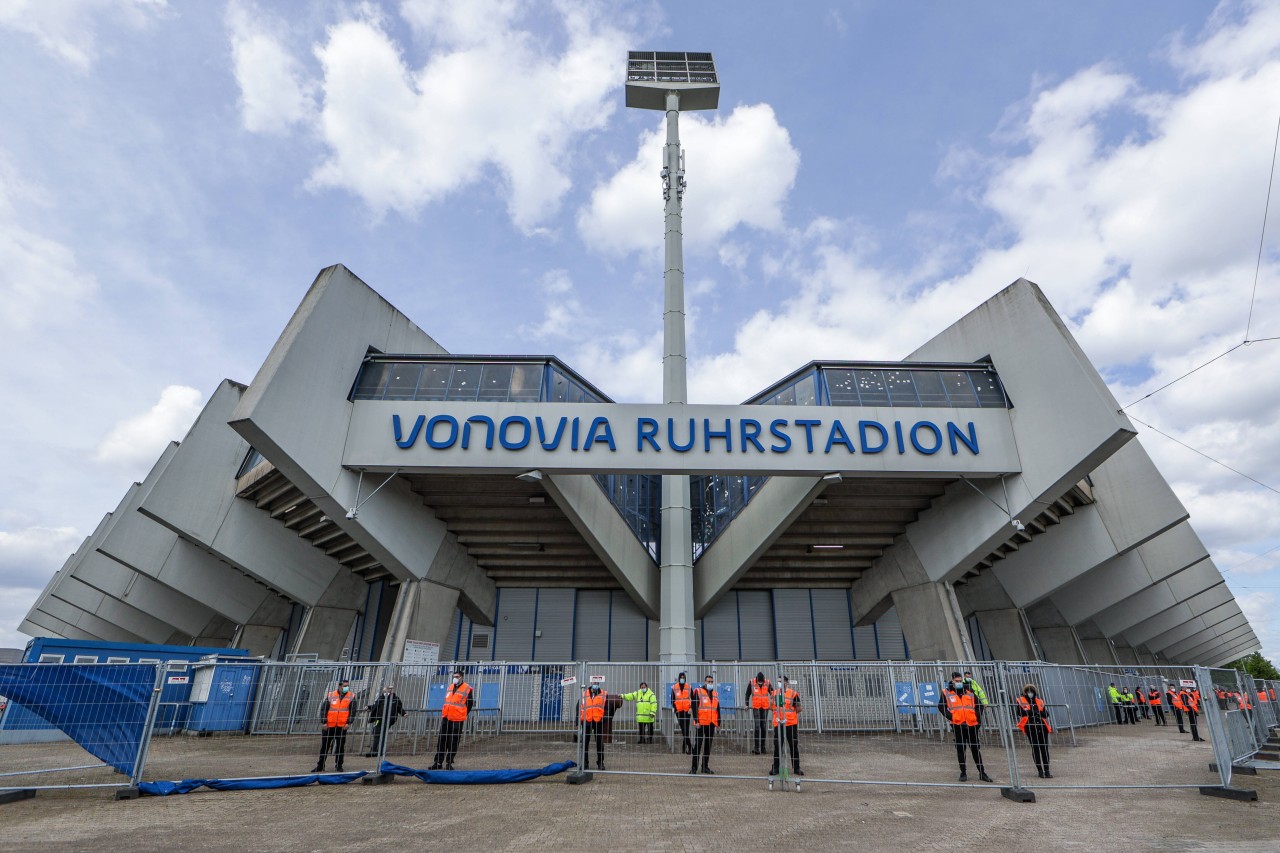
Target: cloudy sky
(173,175)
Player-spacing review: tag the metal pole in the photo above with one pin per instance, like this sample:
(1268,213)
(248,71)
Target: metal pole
(1217,731)
(144,743)
(676,631)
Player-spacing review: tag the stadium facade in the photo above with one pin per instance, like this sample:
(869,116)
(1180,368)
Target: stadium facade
(367,492)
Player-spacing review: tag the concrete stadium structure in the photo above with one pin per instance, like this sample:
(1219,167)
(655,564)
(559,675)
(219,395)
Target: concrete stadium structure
(985,498)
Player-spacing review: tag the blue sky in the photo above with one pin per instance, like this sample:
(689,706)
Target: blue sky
(173,175)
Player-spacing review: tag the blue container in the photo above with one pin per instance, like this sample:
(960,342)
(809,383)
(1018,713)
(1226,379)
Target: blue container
(222,696)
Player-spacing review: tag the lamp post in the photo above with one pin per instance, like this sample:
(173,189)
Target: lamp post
(670,81)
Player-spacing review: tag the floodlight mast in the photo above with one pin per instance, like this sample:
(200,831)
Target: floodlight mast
(669,81)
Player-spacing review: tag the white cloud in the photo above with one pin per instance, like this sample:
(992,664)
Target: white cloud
(1259,606)
(68,29)
(274,95)
(32,552)
(740,170)
(141,439)
(15,601)
(491,103)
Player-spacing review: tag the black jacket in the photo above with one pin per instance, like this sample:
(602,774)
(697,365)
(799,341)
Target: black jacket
(386,711)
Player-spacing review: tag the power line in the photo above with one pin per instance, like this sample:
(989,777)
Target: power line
(1251,559)
(1262,239)
(1185,375)
(1207,456)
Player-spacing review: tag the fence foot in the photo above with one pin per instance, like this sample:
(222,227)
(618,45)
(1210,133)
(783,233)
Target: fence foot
(1244,794)
(127,794)
(1242,769)
(1018,795)
(580,777)
(378,779)
(16,796)
(1267,756)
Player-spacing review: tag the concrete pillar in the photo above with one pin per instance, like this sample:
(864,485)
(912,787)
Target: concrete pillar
(1125,654)
(931,622)
(1061,645)
(1098,651)
(327,625)
(1006,634)
(423,611)
(261,634)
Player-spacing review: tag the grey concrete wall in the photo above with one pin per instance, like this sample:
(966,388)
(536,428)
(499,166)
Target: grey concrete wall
(423,612)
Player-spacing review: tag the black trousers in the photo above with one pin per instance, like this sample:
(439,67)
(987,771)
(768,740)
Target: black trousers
(1191,721)
(1039,737)
(447,742)
(1177,717)
(379,737)
(703,736)
(1119,709)
(588,730)
(968,736)
(1131,714)
(793,745)
(1158,710)
(760,721)
(1146,712)
(335,736)
(682,717)
(646,732)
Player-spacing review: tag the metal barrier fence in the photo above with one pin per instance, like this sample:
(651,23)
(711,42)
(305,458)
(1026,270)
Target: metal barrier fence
(881,723)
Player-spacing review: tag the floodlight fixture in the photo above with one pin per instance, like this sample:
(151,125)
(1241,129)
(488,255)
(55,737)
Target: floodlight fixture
(651,74)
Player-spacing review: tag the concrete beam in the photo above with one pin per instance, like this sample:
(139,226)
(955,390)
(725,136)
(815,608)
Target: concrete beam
(1154,629)
(95,626)
(929,616)
(594,517)
(423,611)
(1227,651)
(1232,655)
(1194,625)
(306,379)
(772,510)
(136,622)
(1191,648)
(1183,586)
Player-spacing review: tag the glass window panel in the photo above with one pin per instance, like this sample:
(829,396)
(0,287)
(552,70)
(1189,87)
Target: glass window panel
(402,384)
(959,389)
(434,384)
(929,389)
(526,383)
(559,387)
(495,383)
(990,394)
(806,391)
(785,397)
(372,381)
(576,394)
(871,388)
(842,387)
(902,391)
(465,382)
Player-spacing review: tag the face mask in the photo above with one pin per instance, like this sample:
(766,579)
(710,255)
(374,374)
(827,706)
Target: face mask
(682,679)
(344,689)
(457,680)
(1031,694)
(709,685)
(595,688)
(779,685)
(959,685)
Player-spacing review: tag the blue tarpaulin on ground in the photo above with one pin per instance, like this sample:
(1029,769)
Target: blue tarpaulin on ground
(186,786)
(476,777)
(102,708)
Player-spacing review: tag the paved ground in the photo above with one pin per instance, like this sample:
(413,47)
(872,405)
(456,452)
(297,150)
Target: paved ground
(680,812)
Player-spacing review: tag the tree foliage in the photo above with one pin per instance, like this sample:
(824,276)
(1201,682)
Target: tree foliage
(1257,666)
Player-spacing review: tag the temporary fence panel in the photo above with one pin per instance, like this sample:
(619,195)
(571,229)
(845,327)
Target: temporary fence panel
(76,725)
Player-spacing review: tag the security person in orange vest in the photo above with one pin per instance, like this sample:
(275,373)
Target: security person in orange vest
(959,706)
(682,704)
(1175,700)
(786,723)
(1034,723)
(1157,706)
(1191,704)
(336,713)
(591,714)
(1140,696)
(760,692)
(706,719)
(458,702)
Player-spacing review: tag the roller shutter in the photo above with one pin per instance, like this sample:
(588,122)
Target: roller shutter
(889,631)
(555,623)
(755,621)
(793,624)
(831,624)
(720,629)
(513,634)
(628,642)
(864,642)
(591,625)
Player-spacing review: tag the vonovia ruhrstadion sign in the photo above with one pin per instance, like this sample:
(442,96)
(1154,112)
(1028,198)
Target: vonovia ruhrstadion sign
(671,439)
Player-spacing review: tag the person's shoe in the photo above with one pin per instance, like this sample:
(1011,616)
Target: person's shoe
(773,771)
(755,752)
(708,771)
(319,768)
(1048,775)
(982,774)
(337,768)
(435,766)
(370,754)
(599,765)
(964,777)
(1040,773)
(797,772)
(693,770)
(449,766)
(1198,739)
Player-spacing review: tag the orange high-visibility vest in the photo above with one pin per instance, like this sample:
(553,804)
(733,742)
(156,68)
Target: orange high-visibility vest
(1273,693)
(1026,714)
(760,694)
(962,709)
(1175,699)
(1189,702)
(1262,695)
(787,715)
(1140,697)
(681,694)
(593,706)
(708,708)
(1155,697)
(455,702)
(339,710)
